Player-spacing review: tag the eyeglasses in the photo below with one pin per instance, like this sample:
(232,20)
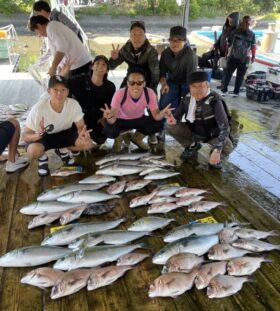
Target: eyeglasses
(139,83)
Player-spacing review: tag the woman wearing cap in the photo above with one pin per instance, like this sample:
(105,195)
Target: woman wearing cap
(177,62)
(128,107)
(93,91)
(207,120)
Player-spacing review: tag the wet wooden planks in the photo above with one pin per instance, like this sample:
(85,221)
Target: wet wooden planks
(244,201)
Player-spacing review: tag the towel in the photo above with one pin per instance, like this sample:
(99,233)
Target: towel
(192,108)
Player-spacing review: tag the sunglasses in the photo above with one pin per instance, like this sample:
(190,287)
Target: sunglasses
(139,83)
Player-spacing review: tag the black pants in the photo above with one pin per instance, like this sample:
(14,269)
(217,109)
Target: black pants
(145,125)
(241,67)
(83,69)
(97,134)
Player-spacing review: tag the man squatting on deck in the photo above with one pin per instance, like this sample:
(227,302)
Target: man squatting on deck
(206,120)
(49,125)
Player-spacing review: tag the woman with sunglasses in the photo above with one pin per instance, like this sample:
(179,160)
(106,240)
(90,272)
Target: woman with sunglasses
(128,107)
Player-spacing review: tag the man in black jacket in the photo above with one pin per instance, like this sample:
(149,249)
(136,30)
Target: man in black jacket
(206,120)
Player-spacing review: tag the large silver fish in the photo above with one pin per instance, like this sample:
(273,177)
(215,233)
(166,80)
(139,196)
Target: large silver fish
(32,256)
(164,199)
(245,265)
(43,219)
(117,187)
(244,233)
(198,245)
(225,285)
(97,179)
(70,283)
(193,229)
(54,193)
(37,208)
(124,156)
(162,208)
(160,175)
(150,170)
(141,200)
(172,284)
(150,223)
(72,232)
(136,185)
(225,252)
(105,276)
(182,262)
(131,259)
(203,206)
(255,245)
(208,271)
(94,256)
(86,197)
(186,201)
(189,191)
(42,277)
(167,190)
(119,170)
(115,237)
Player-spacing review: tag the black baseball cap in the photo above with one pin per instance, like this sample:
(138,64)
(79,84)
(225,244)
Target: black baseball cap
(198,76)
(57,79)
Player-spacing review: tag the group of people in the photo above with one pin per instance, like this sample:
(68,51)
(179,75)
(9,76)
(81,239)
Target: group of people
(84,108)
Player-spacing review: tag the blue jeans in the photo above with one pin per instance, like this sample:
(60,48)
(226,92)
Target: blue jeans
(173,97)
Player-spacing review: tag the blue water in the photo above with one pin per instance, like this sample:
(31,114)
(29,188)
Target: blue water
(211,34)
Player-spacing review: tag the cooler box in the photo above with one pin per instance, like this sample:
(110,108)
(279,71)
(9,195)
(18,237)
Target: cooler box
(4,50)
(273,75)
(259,92)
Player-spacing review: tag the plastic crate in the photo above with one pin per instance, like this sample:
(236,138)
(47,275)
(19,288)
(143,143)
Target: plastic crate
(259,94)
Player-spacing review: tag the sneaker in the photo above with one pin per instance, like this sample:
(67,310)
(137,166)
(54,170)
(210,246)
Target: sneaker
(217,166)
(152,139)
(19,163)
(65,156)
(190,152)
(224,93)
(43,168)
(218,87)
(75,153)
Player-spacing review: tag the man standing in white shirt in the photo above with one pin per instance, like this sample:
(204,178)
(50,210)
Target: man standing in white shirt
(49,126)
(63,43)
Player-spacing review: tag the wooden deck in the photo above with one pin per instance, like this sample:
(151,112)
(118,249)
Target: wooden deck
(249,185)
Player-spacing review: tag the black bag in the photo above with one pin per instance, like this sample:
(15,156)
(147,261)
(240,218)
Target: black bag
(240,47)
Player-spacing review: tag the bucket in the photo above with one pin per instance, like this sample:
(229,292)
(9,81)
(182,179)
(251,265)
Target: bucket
(3,33)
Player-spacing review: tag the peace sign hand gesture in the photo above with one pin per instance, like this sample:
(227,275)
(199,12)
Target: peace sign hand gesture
(107,112)
(167,113)
(115,52)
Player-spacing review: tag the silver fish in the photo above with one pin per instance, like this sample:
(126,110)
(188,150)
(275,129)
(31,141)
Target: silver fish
(115,237)
(208,271)
(86,197)
(189,191)
(37,208)
(245,265)
(255,245)
(158,208)
(71,232)
(182,262)
(94,256)
(225,285)
(70,283)
(193,229)
(118,162)
(149,223)
(141,200)
(227,235)
(42,277)
(225,252)
(150,170)
(119,170)
(131,259)
(71,214)
(97,179)
(126,156)
(54,193)
(149,157)
(186,201)
(43,219)
(159,199)
(198,245)
(203,207)
(244,233)
(161,163)
(161,175)
(117,187)
(136,185)
(105,276)
(167,190)
(172,284)
(32,256)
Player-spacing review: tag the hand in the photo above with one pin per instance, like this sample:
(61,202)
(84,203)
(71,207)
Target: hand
(84,133)
(215,157)
(65,68)
(167,111)
(107,112)
(52,71)
(164,89)
(115,52)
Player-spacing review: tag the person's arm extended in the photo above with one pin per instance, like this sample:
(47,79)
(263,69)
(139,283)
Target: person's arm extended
(58,56)
(30,136)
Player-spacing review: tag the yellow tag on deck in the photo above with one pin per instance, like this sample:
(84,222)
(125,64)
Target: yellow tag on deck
(55,229)
(209,219)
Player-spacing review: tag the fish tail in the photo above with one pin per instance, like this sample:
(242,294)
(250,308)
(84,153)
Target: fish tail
(266,259)
(273,233)
(250,279)
(143,245)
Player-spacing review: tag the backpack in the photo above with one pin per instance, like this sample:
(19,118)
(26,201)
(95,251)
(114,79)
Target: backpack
(145,92)
(240,47)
